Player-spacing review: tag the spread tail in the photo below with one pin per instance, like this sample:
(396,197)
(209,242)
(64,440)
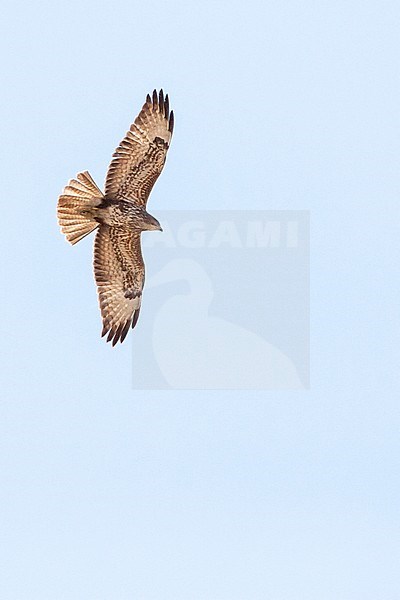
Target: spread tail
(76,208)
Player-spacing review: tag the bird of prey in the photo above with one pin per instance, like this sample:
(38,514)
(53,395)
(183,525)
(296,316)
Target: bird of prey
(120,215)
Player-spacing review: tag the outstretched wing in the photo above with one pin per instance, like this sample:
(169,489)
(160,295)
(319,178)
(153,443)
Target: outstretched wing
(140,157)
(119,274)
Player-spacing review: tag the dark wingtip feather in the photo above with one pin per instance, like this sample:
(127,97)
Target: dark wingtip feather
(148,99)
(118,333)
(125,330)
(171,122)
(166,107)
(135,318)
(155,98)
(161,100)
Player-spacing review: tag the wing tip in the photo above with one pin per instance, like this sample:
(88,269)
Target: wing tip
(125,330)
(160,102)
(135,318)
(166,107)
(119,333)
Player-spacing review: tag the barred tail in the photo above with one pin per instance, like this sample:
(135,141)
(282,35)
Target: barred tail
(77,207)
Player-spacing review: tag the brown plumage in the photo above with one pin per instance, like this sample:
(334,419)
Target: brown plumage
(120,214)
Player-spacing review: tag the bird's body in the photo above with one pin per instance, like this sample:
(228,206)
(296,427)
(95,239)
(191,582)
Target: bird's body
(120,215)
(124,213)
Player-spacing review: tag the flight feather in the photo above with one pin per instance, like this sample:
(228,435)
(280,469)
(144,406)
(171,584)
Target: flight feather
(140,157)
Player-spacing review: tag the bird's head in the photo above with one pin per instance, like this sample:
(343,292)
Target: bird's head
(146,222)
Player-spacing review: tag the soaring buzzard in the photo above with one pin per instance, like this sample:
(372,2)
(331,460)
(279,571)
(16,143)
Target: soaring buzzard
(120,215)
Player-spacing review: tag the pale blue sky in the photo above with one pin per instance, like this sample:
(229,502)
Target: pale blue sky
(108,493)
